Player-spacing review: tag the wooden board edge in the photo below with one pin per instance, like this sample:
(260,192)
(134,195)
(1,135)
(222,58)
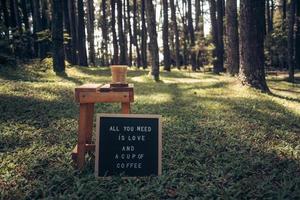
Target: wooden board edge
(159,145)
(97,147)
(150,116)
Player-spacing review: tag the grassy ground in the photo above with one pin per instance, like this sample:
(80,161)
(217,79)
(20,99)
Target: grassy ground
(220,140)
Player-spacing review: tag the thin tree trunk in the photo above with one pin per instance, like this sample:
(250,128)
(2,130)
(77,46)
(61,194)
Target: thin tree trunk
(291,23)
(125,31)
(269,16)
(82,57)
(57,36)
(122,60)
(135,34)
(37,25)
(252,71)
(67,30)
(174,22)
(144,36)
(220,53)
(114,33)
(5,12)
(90,30)
(232,45)
(167,64)
(153,39)
(104,32)
(214,32)
(192,36)
(73,32)
(12,13)
(297,53)
(25,14)
(130,34)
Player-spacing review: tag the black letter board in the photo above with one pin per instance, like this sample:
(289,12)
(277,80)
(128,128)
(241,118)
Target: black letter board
(128,145)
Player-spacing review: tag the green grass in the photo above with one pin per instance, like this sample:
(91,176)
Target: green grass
(220,140)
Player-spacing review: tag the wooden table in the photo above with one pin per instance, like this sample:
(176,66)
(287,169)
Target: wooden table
(87,95)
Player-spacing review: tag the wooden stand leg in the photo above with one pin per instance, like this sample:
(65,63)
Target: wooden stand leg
(125,108)
(83,124)
(89,123)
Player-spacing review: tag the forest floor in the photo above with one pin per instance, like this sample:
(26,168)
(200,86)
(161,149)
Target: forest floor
(220,140)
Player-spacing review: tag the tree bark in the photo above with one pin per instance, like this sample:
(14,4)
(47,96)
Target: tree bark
(37,26)
(153,39)
(25,14)
(12,13)
(122,60)
(252,71)
(269,16)
(220,52)
(135,34)
(167,64)
(214,32)
(297,53)
(114,33)
(104,32)
(291,24)
(5,12)
(57,36)
(82,57)
(73,32)
(232,45)
(174,23)
(144,36)
(192,36)
(67,28)
(90,30)
(130,34)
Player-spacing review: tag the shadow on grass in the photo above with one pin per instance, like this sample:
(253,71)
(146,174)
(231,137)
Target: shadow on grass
(68,78)
(213,147)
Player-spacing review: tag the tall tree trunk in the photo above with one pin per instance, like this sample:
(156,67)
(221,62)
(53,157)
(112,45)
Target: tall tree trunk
(130,34)
(297,56)
(57,36)
(220,53)
(82,57)
(13,22)
(153,39)
(73,32)
(214,32)
(125,31)
(269,16)
(232,45)
(37,26)
(25,14)
(144,36)
(5,12)
(104,32)
(114,33)
(192,36)
(90,30)
(252,71)
(175,28)
(291,24)
(67,29)
(167,64)
(135,34)
(122,60)
(185,36)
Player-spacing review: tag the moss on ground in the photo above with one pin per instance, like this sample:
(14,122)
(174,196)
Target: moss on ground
(220,139)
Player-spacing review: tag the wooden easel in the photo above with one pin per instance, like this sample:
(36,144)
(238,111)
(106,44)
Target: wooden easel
(87,95)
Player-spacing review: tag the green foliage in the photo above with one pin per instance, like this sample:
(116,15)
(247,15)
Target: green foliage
(220,140)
